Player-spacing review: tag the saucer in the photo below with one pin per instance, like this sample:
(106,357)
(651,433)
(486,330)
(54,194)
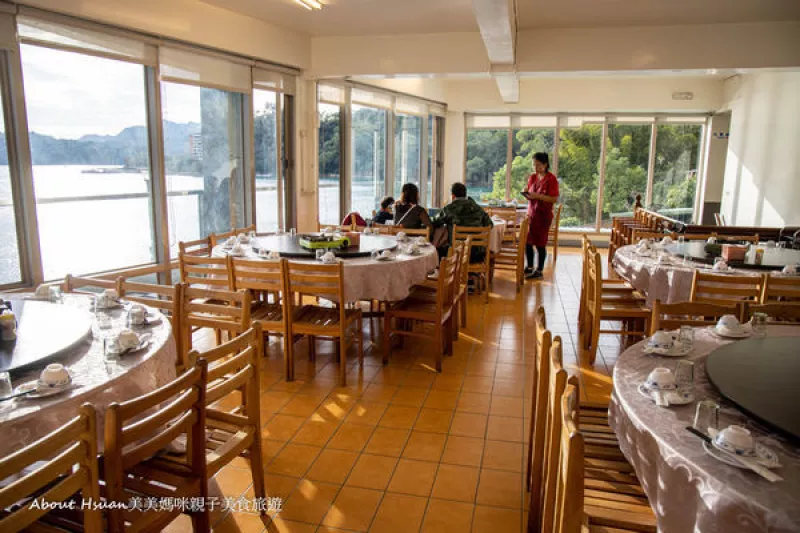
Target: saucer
(678,350)
(390,258)
(726,333)
(143,343)
(675,396)
(413,254)
(41,390)
(150,319)
(114,304)
(763,456)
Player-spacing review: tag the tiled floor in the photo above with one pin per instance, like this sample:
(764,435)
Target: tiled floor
(402,449)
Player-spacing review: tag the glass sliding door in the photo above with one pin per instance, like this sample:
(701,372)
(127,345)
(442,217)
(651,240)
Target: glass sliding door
(627,158)
(407,144)
(87,118)
(269,180)
(204,160)
(677,161)
(330,163)
(10,267)
(368,159)
(579,174)
(487,151)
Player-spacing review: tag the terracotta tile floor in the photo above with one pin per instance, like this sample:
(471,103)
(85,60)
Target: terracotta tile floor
(402,449)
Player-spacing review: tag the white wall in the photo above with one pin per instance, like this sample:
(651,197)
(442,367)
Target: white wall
(762,171)
(430,88)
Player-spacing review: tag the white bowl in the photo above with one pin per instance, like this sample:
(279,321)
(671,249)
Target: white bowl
(729,322)
(735,439)
(127,339)
(788,269)
(43,291)
(138,314)
(110,294)
(661,378)
(662,340)
(55,375)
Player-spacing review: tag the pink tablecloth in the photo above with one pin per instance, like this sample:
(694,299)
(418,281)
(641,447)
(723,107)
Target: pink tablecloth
(100,381)
(690,491)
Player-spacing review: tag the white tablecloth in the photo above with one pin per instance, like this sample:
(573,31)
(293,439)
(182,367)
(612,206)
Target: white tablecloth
(366,279)
(100,380)
(496,237)
(690,491)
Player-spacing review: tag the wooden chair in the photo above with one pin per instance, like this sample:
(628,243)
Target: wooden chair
(780,314)
(654,235)
(55,468)
(631,313)
(327,282)
(480,240)
(436,312)
(673,316)
(135,465)
(575,508)
(382,229)
(76,283)
(205,272)
(725,289)
(234,431)
(536,436)
(512,255)
(552,234)
(421,232)
(264,278)
(509,215)
(218,238)
(780,289)
(219,310)
(166,298)
(199,247)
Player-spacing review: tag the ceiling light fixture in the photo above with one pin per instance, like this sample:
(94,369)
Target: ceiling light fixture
(309,4)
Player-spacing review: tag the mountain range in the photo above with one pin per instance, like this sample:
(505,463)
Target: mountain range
(128,147)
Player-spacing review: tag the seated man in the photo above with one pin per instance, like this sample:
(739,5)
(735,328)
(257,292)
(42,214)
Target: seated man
(462,211)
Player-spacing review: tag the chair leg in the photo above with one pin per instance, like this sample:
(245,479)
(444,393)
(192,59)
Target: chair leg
(463,310)
(343,360)
(594,338)
(312,348)
(288,356)
(361,341)
(200,520)
(439,349)
(386,338)
(454,320)
(257,468)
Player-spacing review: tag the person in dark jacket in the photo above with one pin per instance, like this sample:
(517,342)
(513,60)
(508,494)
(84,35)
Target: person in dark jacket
(462,211)
(385,214)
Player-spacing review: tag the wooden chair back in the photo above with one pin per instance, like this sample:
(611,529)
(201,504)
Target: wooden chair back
(233,373)
(695,314)
(779,314)
(76,283)
(480,240)
(220,310)
(418,232)
(446,291)
(569,494)
(696,236)
(315,279)
(509,214)
(556,383)
(52,469)
(538,429)
(258,276)
(725,289)
(638,235)
(780,289)
(552,233)
(207,272)
(199,247)
(512,254)
(166,298)
(138,429)
(382,229)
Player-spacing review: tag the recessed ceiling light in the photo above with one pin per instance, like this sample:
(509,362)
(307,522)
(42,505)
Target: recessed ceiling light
(309,4)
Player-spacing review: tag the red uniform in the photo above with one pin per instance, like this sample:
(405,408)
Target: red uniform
(540,213)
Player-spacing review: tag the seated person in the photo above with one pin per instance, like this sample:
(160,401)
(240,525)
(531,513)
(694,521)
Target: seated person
(385,214)
(407,211)
(462,211)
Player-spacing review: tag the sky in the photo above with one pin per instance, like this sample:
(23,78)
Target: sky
(69,95)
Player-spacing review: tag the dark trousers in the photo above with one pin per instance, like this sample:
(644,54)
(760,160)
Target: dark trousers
(541,252)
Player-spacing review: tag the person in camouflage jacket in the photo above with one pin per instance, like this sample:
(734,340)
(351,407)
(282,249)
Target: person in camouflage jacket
(462,211)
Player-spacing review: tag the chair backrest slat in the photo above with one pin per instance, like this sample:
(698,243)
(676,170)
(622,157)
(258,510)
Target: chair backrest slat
(539,397)
(696,314)
(205,271)
(780,289)
(721,289)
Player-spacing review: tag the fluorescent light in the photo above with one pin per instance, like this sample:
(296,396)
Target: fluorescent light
(309,4)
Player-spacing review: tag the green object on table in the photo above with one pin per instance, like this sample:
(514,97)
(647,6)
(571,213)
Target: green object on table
(714,250)
(315,242)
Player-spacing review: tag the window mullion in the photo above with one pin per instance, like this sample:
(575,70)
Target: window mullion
(346,158)
(603,152)
(651,164)
(509,156)
(280,192)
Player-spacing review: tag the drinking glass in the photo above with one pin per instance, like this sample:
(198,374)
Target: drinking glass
(56,296)
(5,384)
(374,255)
(320,253)
(781,244)
(684,373)
(759,324)
(706,416)
(681,239)
(292,232)
(686,335)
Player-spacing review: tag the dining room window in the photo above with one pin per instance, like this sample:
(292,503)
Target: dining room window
(579,173)
(368,175)
(268,159)
(10,267)
(330,163)
(627,158)
(487,150)
(88,132)
(407,152)
(677,160)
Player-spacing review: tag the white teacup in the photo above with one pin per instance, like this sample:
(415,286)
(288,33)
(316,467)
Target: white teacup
(729,322)
(720,266)
(111,295)
(401,236)
(666,240)
(329,257)
(237,249)
(274,255)
(735,439)
(386,254)
(790,269)
(43,291)
(661,379)
(421,241)
(413,248)
(662,340)
(137,314)
(644,244)
(127,339)
(243,238)
(55,375)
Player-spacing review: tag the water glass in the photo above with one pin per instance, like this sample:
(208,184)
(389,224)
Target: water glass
(320,253)
(5,384)
(292,232)
(686,335)
(759,324)
(684,373)
(706,416)
(55,294)
(781,244)
(681,239)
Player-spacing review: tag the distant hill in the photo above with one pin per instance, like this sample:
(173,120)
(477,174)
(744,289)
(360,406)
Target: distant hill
(127,147)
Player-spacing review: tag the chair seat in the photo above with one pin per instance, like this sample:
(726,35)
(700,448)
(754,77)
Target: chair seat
(623,308)
(312,317)
(627,516)
(268,313)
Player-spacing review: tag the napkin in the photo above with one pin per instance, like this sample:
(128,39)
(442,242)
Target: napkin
(788,269)
(722,266)
(329,257)
(401,236)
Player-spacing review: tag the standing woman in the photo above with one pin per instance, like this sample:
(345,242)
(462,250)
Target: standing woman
(541,193)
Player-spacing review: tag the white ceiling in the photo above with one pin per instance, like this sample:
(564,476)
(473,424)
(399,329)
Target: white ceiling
(361,17)
(611,13)
(390,17)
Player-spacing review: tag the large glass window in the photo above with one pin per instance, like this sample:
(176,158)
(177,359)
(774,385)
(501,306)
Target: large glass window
(407,144)
(487,150)
(368,159)
(269,182)
(91,168)
(330,164)
(9,248)
(627,158)
(677,161)
(204,160)
(579,174)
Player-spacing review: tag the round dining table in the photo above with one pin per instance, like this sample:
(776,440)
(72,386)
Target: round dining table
(97,378)
(364,277)
(691,491)
(668,279)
